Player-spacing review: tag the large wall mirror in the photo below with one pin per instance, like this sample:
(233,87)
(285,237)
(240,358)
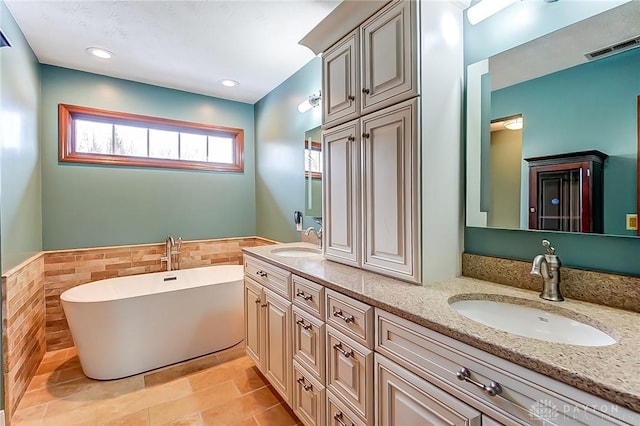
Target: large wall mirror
(313,172)
(542,109)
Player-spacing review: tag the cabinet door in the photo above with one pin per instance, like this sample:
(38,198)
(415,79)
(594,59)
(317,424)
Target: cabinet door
(340,77)
(277,343)
(390,192)
(254,318)
(389,56)
(309,398)
(341,186)
(350,373)
(308,342)
(402,398)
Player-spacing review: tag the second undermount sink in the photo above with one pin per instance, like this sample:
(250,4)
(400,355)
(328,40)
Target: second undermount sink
(296,251)
(532,322)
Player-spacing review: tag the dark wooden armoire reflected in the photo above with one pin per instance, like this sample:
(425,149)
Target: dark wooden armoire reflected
(566,192)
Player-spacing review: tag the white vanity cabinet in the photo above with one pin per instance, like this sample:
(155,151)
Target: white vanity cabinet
(503,392)
(309,359)
(371,202)
(403,398)
(373,66)
(350,354)
(268,322)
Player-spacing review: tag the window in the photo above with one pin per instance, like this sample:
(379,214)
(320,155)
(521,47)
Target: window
(94,136)
(313,161)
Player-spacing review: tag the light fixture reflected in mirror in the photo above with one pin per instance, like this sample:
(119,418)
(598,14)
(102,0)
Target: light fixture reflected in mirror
(515,124)
(312,102)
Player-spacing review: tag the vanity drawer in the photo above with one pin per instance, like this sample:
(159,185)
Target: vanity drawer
(309,397)
(308,342)
(350,373)
(525,396)
(351,317)
(269,276)
(309,296)
(339,415)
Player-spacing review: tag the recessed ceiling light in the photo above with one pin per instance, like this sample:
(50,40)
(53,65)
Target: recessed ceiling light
(99,52)
(229,83)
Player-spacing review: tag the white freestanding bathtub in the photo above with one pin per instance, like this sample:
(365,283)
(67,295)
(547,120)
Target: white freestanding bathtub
(124,326)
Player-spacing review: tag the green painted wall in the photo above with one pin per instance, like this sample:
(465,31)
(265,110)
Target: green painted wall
(20,182)
(590,106)
(88,206)
(503,31)
(280,131)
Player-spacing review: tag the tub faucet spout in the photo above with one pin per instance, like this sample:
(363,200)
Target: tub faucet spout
(547,266)
(169,243)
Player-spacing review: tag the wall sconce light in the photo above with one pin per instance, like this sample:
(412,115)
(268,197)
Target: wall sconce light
(515,124)
(312,102)
(485,8)
(3,40)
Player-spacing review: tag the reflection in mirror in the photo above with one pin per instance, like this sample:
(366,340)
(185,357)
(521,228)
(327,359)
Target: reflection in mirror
(313,172)
(578,115)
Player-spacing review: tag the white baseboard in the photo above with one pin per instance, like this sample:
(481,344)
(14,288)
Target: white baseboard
(1,417)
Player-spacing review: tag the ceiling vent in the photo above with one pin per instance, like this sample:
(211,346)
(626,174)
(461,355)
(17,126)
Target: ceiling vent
(613,49)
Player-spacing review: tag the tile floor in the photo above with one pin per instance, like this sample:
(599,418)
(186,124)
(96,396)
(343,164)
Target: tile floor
(224,388)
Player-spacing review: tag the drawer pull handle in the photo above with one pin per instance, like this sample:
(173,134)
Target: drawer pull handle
(338,347)
(305,386)
(303,325)
(261,273)
(264,305)
(492,389)
(340,315)
(338,417)
(304,296)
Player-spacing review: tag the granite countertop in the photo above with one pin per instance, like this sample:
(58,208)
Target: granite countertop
(610,372)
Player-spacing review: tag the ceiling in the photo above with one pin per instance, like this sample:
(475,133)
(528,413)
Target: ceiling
(185,45)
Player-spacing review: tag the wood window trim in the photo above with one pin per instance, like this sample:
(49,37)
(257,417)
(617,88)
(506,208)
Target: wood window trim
(67,153)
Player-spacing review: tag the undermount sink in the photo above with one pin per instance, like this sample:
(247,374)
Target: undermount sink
(296,252)
(531,322)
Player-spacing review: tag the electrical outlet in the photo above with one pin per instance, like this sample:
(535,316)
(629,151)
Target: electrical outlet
(632,222)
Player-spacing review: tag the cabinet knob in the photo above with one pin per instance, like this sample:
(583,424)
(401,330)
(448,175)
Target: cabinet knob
(351,98)
(366,135)
(351,139)
(365,91)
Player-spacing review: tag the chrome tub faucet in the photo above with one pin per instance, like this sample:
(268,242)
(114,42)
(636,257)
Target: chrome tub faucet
(548,267)
(170,243)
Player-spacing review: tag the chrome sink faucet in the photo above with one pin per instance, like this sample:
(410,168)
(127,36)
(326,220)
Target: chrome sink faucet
(548,267)
(318,232)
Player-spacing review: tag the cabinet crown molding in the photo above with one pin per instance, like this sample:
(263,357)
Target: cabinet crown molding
(344,18)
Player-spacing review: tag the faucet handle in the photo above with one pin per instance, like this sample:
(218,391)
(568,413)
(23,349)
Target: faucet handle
(550,250)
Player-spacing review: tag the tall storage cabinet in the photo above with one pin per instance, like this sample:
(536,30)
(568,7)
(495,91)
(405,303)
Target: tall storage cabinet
(371,201)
